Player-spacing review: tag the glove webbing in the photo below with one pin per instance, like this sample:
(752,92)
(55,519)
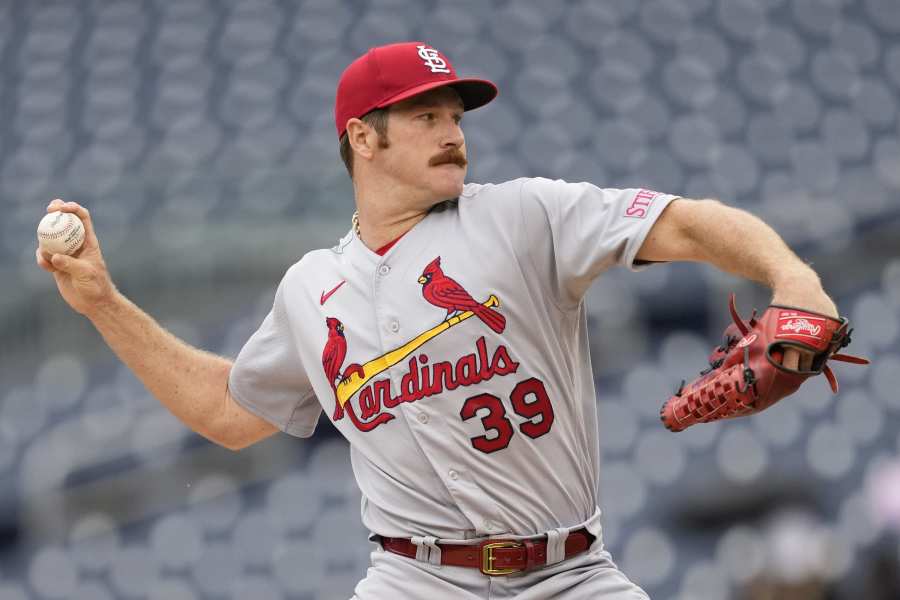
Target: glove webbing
(718,400)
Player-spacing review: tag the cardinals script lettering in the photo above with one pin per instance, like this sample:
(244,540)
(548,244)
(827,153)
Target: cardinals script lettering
(424,379)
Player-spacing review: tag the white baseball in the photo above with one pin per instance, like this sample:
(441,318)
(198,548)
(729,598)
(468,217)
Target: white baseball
(60,233)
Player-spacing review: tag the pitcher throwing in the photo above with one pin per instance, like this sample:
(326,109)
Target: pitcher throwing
(446,336)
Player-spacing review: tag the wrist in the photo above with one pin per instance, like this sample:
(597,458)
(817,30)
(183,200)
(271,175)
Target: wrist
(803,290)
(799,276)
(106,306)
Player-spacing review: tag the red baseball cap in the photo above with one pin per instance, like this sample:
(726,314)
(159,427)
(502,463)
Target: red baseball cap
(389,74)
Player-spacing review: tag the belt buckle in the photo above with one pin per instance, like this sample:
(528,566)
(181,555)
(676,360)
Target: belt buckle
(487,558)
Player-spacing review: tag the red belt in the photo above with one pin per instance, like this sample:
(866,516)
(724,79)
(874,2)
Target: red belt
(495,556)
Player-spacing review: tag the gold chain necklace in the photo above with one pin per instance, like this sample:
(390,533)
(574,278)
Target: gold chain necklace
(355,221)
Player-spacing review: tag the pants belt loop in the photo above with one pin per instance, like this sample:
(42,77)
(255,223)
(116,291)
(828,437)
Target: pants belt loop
(427,549)
(434,554)
(422,551)
(556,545)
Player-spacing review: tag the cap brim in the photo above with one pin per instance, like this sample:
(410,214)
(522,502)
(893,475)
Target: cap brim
(474,93)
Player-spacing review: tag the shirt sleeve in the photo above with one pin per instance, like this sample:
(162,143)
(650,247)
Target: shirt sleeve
(575,231)
(268,379)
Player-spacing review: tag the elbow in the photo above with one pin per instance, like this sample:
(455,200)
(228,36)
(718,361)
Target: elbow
(232,439)
(223,441)
(236,436)
(237,445)
(236,428)
(692,221)
(224,434)
(675,233)
(230,445)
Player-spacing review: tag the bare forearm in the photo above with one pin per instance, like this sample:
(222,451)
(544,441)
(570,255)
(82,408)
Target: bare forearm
(191,383)
(739,243)
(188,381)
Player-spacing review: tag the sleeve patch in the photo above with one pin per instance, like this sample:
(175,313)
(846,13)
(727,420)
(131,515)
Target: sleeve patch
(640,206)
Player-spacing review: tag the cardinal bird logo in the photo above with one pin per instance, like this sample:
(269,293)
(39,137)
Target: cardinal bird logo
(446,293)
(333,358)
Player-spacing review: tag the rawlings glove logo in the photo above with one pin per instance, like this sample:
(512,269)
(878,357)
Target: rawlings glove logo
(800,326)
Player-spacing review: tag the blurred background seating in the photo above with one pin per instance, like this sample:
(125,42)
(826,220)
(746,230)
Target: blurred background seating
(200,134)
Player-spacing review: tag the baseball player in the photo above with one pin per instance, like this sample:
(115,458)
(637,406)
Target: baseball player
(445,336)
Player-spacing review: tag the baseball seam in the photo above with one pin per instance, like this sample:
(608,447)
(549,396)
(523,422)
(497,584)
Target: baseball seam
(58,234)
(69,237)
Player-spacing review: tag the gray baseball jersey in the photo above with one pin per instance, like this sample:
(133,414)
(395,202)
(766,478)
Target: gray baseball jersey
(457,364)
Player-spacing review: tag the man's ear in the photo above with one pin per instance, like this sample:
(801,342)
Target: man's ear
(362,137)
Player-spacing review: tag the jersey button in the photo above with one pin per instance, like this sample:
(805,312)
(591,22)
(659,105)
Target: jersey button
(394,326)
(384,270)
(453,475)
(422,418)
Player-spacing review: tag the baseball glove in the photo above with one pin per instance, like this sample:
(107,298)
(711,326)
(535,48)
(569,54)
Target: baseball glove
(745,375)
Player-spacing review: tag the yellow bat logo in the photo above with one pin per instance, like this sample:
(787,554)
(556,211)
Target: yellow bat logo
(374,367)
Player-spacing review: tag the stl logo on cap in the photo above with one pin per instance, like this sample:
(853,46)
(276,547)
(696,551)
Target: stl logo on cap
(389,74)
(432,59)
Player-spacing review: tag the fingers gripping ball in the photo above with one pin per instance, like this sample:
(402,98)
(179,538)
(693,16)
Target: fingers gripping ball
(745,374)
(60,233)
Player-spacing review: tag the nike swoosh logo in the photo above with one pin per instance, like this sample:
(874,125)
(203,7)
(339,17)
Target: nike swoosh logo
(325,296)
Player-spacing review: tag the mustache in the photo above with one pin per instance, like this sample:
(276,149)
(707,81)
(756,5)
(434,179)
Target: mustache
(453,155)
